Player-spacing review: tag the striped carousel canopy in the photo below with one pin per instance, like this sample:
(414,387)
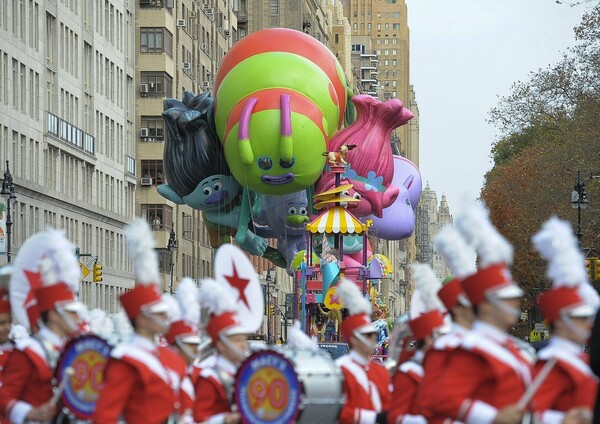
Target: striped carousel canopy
(336,220)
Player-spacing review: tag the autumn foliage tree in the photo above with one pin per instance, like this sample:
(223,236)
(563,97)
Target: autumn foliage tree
(550,129)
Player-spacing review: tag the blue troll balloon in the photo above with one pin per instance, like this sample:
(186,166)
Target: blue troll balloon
(198,174)
(284,218)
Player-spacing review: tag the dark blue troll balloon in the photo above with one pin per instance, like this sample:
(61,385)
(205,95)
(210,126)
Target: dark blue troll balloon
(197,172)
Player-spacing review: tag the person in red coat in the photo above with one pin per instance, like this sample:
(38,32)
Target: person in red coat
(183,338)
(436,358)
(6,346)
(27,390)
(409,376)
(568,393)
(367,384)
(141,379)
(215,383)
(487,374)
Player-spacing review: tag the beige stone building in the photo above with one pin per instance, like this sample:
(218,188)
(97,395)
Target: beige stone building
(178,47)
(67,128)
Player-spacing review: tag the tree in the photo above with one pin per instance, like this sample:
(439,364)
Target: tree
(550,130)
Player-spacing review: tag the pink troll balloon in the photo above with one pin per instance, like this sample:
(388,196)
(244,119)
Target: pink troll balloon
(370,164)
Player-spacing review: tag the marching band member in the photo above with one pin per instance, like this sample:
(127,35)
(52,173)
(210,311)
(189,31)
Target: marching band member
(183,336)
(427,320)
(461,261)
(487,375)
(6,346)
(569,391)
(141,379)
(26,394)
(366,383)
(215,385)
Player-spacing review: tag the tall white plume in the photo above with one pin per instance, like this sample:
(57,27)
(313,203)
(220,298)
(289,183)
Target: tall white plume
(174,310)
(557,244)
(188,298)
(59,263)
(353,298)
(140,247)
(426,287)
(477,229)
(217,297)
(298,339)
(459,256)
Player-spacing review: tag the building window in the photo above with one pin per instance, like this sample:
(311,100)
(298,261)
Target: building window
(153,169)
(396,26)
(187,226)
(153,128)
(164,260)
(355,27)
(158,84)
(156,40)
(159,217)
(274,7)
(337,38)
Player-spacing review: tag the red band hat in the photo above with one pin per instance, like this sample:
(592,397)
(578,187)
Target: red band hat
(570,294)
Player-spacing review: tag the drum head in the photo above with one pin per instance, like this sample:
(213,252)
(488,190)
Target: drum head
(267,389)
(87,355)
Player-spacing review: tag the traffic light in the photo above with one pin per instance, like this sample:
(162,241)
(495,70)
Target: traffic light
(97,276)
(596,269)
(272,310)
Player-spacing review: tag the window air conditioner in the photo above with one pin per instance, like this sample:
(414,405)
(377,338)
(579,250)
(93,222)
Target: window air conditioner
(143,88)
(205,84)
(181,23)
(146,181)
(187,66)
(226,33)
(209,12)
(144,132)
(204,47)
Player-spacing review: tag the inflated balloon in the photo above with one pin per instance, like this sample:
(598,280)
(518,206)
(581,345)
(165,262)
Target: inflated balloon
(280,97)
(285,217)
(197,172)
(398,220)
(370,165)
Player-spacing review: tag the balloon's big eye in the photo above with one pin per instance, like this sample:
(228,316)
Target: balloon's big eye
(217,186)
(265,163)
(292,211)
(207,191)
(284,164)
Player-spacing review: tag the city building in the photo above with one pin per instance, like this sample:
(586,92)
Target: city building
(431,217)
(67,129)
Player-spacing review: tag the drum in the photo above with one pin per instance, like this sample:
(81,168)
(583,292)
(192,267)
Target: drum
(86,356)
(284,386)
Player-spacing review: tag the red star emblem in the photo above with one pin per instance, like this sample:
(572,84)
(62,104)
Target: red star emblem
(240,284)
(34,278)
(333,299)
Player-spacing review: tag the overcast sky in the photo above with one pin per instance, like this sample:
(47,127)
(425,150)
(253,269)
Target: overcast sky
(463,54)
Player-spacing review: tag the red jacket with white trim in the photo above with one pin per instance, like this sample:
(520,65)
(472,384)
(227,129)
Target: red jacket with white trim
(571,382)
(406,383)
(367,386)
(482,376)
(141,384)
(28,375)
(434,365)
(212,402)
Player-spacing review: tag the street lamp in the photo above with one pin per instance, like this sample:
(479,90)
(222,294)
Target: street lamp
(579,201)
(8,192)
(172,245)
(269,280)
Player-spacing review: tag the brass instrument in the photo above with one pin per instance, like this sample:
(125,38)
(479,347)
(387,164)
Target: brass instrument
(398,343)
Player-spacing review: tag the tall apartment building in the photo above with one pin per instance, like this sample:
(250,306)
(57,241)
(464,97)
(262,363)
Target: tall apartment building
(431,217)
(178,47)
(67,128)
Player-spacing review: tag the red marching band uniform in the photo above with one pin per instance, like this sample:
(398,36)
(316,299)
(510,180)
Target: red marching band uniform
(29,374)
(215,379)
(142,379)
(6,346)
(367,384)
(408,379)
(569,306)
